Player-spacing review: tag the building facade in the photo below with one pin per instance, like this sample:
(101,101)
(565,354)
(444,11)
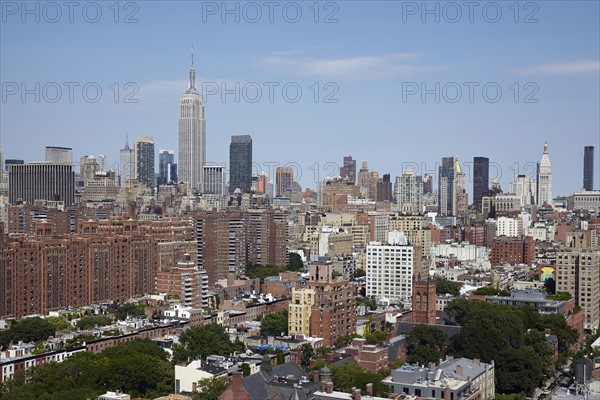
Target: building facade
(144,160)
(240,163)
(41,181)
(192,136)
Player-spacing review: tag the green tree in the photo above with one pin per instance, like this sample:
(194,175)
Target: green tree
(445,286)
(491,291)
(245,367)
(202,341)
(306,354)
(274,324)
(129,309)
(27,330)
(425,345)
(560,296)
(368,302)
(345,340)
(521,371)
(359,273)
(211,388)
(59,324)
(550,285)
(350,374)
(375,337)
(92,321)
(296,263)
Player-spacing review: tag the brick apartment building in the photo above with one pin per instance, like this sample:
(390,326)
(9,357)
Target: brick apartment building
(508,250)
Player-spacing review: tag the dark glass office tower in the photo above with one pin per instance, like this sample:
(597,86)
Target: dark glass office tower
(240,163)
(481,178)
(588,167)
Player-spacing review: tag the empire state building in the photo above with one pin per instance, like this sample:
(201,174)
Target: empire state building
(192,136)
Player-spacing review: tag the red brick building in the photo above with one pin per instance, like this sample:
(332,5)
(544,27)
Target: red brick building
(508,250)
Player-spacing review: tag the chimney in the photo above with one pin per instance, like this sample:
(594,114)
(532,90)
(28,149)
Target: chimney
(194,387)
(459,370)
(431,366)
(316,376)
(370,389)
(356,394)
(447,393)
(236,379)
(329,388)
(476,361)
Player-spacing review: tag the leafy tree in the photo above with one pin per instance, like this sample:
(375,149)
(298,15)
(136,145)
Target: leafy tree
(375,337)
(445,286)
(129,309)
(350,374)
(262,271)
(280,357)
(306,354)
(138,367)
(296,263)
(491,291)
(92,321)
(560,296)
(27,330)
(202,341)
(425,345)
(521,372)
(274,324)
(368,302)
(550,285)
(345,340)
(359,273)
(59,324)
(323,351)
(245,369)
(211,388)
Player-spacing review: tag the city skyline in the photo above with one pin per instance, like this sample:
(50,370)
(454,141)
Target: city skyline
(371,78)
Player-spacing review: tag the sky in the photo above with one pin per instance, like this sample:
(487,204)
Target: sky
(395,83)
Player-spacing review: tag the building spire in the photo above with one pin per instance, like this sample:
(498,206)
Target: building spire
(545,147)
(192,73)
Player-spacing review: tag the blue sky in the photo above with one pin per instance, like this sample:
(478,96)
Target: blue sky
(375,58)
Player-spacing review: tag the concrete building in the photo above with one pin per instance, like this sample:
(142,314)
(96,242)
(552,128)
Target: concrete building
(144,161)
(408,192)
(510,227)
(300,310)
(390,269)
(185,281)
(453,379)
(348,170)
(41,181)
(191,136)
(167,168)
(578,272)
(214,180)
(446,181)
(525,188)
(284,178)
(587,200)
(127,164)
(59,155)
(544,179)
(240,163)
(188,375)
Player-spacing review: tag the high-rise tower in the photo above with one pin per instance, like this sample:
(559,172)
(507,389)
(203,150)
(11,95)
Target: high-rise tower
(127,164)
(588,168)
(481,178)
(192,135)
(240,163)
(544,181)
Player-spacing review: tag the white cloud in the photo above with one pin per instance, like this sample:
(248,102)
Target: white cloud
(573,67)
(351,68)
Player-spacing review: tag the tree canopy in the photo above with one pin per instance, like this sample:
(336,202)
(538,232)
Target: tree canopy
(91,321)
(274,324)
(27,330)
(445,286)
(129,309)
(425,345)
(491,291)
(139,368)
(202,341)
(511,336)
